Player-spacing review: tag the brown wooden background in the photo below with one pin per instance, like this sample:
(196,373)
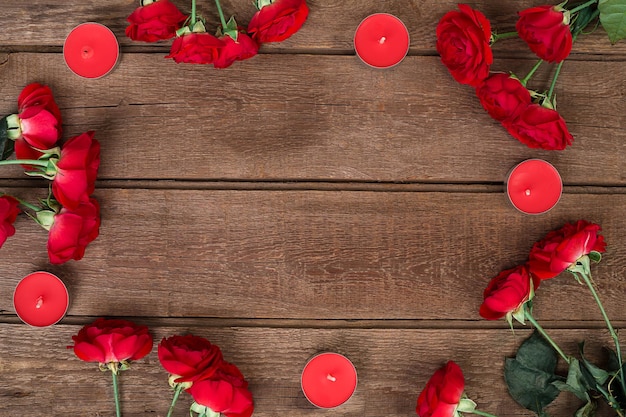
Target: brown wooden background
(301,202)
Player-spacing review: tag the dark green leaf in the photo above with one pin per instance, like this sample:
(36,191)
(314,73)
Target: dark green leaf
(583,18)
(598,374)
(576,382)
(595,256)
(531,388)
(4,140)
(587,410)
(613,18)
(536,353)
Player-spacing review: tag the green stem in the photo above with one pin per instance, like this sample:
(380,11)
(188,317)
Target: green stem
(221,13)
(556,75)
(545,335)
(587,278)
(482,413)
(179,388)
(505,35)
(193,12)
(531,73)
(582,6)
(35,162)
(28,205)
(116,394)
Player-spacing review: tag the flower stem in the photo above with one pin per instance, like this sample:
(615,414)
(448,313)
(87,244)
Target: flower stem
(545,335)
(482,413)
(179,388)
(531,73)
(35,162)
(221,13)
(28,205)
(556,75)
(586,276)
(505,35)
(116,394)
(582,6)
(193,12)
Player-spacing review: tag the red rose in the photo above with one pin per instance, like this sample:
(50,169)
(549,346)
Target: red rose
(546,31)
(506,293)
(277,21)
(232,51)
(37,124)
(192,358)
(72,231)
(504,97)
(109,340)
(226,392)
(9,209)
(540,127)
(442,392)
(155,21)
(561,248)
(196,48)
(77,169)
(463,43)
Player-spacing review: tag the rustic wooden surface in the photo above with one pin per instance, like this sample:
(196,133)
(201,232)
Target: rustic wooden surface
(301,202)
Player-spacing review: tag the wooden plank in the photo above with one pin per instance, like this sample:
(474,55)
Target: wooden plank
(315,255)
(331,25)
(38,371)
(346,122)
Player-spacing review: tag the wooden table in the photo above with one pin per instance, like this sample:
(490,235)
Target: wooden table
(301,202)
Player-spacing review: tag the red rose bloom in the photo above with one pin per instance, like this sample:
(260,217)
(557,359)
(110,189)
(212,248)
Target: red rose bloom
(77,170)
(232,50)
(540,127)
(9,209)
(278,21)
(190,357)
(108,340)
(442,392)
(463,43)
(507,293)
(546,31)
(196,48)
(38,121)
(226,392)
(72,231)
(504,97)
(155,21)
(561,248)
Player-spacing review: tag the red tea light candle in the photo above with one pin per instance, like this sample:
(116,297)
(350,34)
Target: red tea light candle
(91,50)
(40,299)
(381,40)
(328,380)
(534,186)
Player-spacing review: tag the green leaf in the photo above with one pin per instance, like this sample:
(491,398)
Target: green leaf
(587,410)
(576,382)
(530,376)
(595,256)
(6,145)
(613,18)
(598,374)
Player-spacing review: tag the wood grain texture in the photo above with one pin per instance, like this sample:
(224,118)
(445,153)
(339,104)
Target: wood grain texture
(329,28)
(315,255)
(274,118)
(392,366)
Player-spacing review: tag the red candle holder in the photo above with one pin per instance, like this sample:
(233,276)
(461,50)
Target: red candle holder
(91,50)
(41,299)
(328,380)
(534,186)
(381,40)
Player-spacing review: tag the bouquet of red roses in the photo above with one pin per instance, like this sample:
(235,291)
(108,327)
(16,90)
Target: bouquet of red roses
(69,213)
(465,40)
(275,21)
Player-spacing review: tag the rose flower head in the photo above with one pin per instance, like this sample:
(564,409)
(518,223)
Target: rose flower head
(277,20)
(561,249)
(443,395)
(503,96)
(540,127)
(225,392)
(193,45)
(239,48)
(112,341)
(9,209)
(154,20)
(463,42)
(547,32)
(190,358)
(507,293)
(37,125)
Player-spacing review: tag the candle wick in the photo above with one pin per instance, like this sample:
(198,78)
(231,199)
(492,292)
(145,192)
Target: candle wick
(527,192)
(382,40)
(331,378)
(39,302)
